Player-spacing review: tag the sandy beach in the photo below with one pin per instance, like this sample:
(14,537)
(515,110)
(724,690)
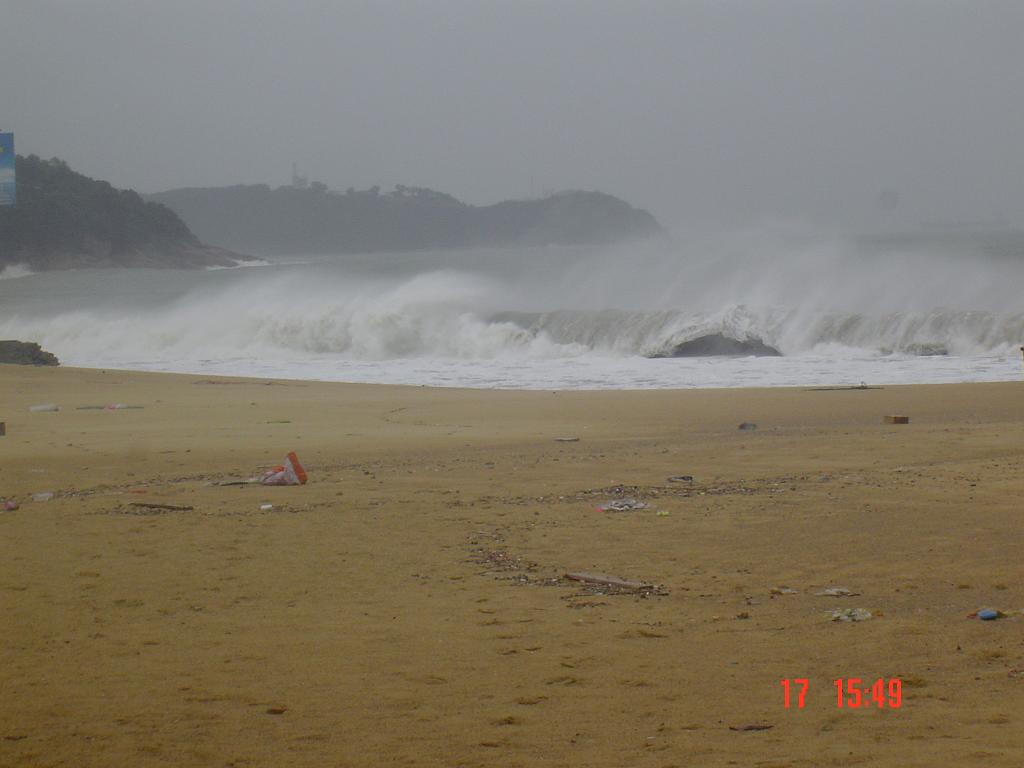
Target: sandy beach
(408,605)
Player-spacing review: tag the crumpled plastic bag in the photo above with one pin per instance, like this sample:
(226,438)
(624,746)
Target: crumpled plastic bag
(850,614)
(290,473)
(622,505)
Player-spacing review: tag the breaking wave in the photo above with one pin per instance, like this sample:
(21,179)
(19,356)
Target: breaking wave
(804,299)
(441,315)
(792,332)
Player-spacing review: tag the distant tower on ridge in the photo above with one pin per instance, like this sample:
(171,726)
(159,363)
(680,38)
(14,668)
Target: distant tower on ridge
(298,182)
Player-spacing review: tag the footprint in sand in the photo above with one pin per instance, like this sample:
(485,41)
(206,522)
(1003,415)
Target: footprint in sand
(529,701)
(563,680)
(635,634)
(509,720)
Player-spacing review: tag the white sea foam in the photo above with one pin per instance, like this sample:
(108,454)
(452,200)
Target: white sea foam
(12,271)
(241,264)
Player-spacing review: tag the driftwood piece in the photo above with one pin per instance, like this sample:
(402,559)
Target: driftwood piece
(171,507)
(611,581)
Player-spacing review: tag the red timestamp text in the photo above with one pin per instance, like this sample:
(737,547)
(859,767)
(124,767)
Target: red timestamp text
(851,693)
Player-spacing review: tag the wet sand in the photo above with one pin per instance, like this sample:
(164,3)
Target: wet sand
(406,606)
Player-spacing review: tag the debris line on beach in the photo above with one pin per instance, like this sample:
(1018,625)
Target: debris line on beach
(606,580)
(168,507)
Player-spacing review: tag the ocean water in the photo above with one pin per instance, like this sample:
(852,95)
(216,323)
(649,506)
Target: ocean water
(547,318)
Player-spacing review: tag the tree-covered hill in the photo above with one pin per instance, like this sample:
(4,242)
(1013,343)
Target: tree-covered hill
(66,220)
(290,220)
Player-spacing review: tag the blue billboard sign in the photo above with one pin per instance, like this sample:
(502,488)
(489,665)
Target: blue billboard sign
(7,186)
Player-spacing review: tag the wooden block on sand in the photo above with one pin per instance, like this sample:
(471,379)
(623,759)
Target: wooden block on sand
(897,419)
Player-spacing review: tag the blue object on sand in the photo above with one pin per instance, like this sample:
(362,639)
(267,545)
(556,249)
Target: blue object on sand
(987,614)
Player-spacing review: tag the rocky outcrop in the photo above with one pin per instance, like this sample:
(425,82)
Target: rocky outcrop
(719,345)
(25,353)
(925,349)
(64,220)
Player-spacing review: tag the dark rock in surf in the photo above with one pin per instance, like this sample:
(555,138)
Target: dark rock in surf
(719,345)
(927,350)
(25,353)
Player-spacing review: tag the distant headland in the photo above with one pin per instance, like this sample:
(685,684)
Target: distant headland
(64,220)
(310,218)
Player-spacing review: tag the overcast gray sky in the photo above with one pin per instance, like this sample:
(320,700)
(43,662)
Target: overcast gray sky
(702,112)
